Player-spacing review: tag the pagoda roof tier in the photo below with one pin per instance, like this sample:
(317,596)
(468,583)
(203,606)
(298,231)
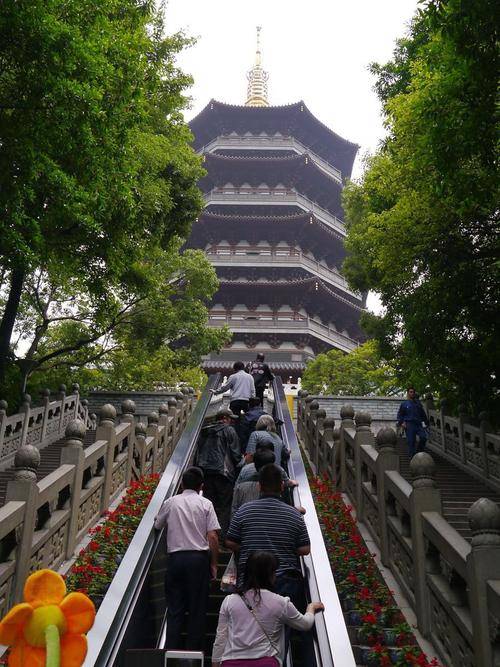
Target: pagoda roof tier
(305,333)
(279,268)
(296,173)
(293,120)
(311,294)
(300,229)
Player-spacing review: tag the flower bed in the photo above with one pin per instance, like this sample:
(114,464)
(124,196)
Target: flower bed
(97,563)
(377,625)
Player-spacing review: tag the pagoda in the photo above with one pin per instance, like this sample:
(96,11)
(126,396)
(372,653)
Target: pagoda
(273,228)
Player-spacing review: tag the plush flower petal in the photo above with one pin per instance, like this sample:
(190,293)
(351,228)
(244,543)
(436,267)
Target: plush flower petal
(22,655)
(44,587)
(73,650)
(13,623)
(79,611)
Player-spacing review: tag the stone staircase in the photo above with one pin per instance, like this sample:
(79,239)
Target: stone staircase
(459,490)
(50,460)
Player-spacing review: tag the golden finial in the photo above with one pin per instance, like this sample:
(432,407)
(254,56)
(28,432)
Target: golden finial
(257,80)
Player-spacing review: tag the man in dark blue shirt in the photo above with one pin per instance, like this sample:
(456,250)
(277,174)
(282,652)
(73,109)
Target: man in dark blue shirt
(411,415)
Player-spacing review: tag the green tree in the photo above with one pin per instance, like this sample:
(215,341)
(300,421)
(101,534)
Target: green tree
(423,221)
(95,163)
(362,372)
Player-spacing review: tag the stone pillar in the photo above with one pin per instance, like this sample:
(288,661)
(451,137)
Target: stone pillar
(338,459)
(312,409)
(387,459)
(443,409)
(328,445)
(152,430)
(128,416)
(73,454)
(163,421)
(485,427)
(85,405)
(463,418)
(319,444)
(346,422)
(24,488)
(26,409)
(46,404)
(173,414)
(483,563)
(3,419)
(106,431)
(364,436)
(347,416)
(62,398)
(425,497)
(75,388)
(140,446)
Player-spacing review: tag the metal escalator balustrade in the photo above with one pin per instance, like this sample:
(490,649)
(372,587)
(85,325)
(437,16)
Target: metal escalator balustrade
(125,615)
(332,643)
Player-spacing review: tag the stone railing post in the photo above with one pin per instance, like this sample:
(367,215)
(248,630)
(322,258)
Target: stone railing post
(172,413)
(46,404)
(483,563)
(85,405)
(75,388)
(319,443)
(443,409)
(128,416)
(347,416)
(106,431)
(311,440)
(26,409)
(140,445)
(346,421)
(62,398)
(425,497)
(24,488)
(338,459)
(163,421)
(152,430)
(73,453)
(387,459)
(463,418)
(328,447)
(485,427)
(3,419)
(364,436)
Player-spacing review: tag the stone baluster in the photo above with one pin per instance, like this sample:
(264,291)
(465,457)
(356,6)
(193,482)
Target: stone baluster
(301,396)
(484,427)
(85,405)
(62,398)
(107,431)
(364,436)
(312,409)
(387,459)
(329,453)
(181,403)
(93,420)
(338,460)
(163,421)
(46,409)
(140,444)
(24,488)
(319,443)
(173,414)
(346,422)
(483,564)
(152,430)
(26,410)
(72,453)
(347,416)
(443,410)
(3,421)
(128,416)
(463,418)
(424,497)
(75,388)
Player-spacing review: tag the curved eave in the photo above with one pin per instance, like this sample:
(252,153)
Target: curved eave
(293,119)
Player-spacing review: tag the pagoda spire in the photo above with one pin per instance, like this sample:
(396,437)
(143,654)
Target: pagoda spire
(257,80)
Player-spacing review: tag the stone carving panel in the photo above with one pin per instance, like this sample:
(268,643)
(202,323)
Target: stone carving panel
(51,553)
(401,559)
(89,509)
(118,477)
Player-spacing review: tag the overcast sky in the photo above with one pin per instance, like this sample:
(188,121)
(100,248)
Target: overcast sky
(314,50)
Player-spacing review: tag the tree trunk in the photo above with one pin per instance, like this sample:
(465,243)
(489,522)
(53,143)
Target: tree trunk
(9,318)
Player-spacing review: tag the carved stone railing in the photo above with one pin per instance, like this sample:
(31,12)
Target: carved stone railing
(453,586)
(475,449)
(39,426)
(43,521)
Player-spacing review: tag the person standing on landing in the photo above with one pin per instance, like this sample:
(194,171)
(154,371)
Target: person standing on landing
(242,388)
(192,554)
(261,375)
(411,415)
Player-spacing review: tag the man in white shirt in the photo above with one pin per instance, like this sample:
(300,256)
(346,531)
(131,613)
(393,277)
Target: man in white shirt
(193,550)
(242,388)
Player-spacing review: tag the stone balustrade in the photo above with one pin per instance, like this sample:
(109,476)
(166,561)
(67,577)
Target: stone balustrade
(43,521)
(39,425)
(452,584)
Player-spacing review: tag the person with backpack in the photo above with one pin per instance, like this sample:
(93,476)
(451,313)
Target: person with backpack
(261,376)
(219,458)
(248,422)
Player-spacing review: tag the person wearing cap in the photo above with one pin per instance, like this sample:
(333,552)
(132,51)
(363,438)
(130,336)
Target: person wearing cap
(219,457)
(192,554)
(242,388)
(261,376)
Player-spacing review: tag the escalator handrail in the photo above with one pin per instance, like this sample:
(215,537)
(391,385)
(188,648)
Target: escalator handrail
(333,643)
(111,620)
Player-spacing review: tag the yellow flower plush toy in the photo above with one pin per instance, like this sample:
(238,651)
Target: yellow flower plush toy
(48,629)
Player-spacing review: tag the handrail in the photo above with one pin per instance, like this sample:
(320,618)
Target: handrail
(118,605)
(333,647)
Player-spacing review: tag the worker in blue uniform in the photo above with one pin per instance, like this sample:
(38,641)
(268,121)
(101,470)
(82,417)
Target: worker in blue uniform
(411,416)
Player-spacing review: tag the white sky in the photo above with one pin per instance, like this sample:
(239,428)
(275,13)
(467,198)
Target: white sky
(314,50)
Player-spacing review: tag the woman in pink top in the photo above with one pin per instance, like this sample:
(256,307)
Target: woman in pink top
(251,625)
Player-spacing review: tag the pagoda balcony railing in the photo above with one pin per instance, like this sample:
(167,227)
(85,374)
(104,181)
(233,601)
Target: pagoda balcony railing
(277,197)
(225,256)
(261,323)
(269,143)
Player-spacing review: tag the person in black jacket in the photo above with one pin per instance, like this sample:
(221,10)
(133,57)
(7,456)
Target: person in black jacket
(219,457)
(261,376)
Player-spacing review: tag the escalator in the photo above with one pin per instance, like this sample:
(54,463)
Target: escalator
(129,629)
